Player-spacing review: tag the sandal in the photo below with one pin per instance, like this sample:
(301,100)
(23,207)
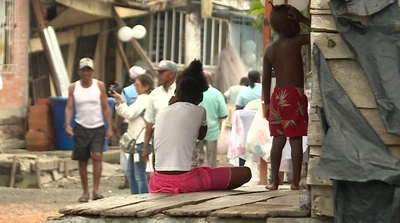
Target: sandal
(84,198)
(97,196)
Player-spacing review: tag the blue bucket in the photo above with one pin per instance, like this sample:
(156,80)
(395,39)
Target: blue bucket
(63,142)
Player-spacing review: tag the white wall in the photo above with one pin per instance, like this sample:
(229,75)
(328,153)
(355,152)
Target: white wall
(239,4)
(238,34)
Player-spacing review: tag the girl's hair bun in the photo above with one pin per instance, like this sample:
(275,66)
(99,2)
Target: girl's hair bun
(195,66)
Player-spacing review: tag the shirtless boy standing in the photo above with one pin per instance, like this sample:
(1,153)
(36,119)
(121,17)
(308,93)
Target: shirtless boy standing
(286,110)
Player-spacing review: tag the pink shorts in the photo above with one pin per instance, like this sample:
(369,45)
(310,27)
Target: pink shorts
(198,179)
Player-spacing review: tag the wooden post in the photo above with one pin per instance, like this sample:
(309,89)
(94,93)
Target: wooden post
(38,175)
(13,170)
(266,41)
(121,52)
(40,26)
(66,168)
(119,76)
(72,51)
(133,41)
(100,52)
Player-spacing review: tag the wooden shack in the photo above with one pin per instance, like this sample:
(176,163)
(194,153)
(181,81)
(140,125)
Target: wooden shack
(350,75)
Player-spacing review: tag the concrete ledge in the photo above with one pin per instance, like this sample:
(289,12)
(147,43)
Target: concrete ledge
(16,144)
(12,112)
(299,220)
(160,218)
(52,166)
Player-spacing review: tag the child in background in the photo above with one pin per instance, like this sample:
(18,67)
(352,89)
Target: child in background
(178,128)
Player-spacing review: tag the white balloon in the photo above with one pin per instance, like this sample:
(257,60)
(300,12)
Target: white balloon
(299,4)
(249,46)
(249,58)
(139,32)
(125,33)
(279,2)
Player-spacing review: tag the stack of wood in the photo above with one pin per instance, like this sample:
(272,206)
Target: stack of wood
(40,136)
(347,71)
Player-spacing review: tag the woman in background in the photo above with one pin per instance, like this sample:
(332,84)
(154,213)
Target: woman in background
(136,169)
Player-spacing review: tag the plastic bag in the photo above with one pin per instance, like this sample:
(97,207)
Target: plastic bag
(223,142)
(258,140)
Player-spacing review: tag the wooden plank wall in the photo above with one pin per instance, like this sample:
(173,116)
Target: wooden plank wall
(351,77)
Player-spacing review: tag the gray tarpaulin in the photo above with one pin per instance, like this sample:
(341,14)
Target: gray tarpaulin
(359,7)
(377,49)
(366,177)
(352,150)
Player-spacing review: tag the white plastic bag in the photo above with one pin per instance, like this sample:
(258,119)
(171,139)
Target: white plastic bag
(258,140)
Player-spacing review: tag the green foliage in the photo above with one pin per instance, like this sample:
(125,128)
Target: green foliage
(256,8)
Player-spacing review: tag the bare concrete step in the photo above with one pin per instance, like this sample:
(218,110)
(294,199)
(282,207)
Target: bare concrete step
(299,220)
(160,218)
(52,166)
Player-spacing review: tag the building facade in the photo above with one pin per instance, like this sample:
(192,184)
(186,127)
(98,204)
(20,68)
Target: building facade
(14,67)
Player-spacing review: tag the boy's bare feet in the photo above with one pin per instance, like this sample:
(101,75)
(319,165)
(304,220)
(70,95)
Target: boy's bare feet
(294,187)
(272,187)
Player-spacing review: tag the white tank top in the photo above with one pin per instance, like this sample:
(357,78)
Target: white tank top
(88,105)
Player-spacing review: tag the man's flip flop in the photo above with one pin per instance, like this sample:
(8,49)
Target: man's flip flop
(97,196)
(84,198)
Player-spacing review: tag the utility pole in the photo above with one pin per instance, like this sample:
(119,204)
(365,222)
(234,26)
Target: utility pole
(266,41)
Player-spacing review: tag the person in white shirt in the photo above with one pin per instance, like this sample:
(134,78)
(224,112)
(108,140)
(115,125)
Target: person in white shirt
(233,91)
(136,169)
(178,127)
(158,100)
(89,98)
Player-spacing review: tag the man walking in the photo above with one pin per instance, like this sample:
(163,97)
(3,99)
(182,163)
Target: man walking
(214,104)
(159,98)
(89,98)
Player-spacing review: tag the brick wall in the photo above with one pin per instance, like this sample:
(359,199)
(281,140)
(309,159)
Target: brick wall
(13,97)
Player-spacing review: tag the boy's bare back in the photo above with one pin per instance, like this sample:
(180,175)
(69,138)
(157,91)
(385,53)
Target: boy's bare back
(284,55)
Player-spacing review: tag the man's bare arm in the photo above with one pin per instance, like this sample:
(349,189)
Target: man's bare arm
(202,132)
(120,120)
(295,14)
(148,134)
(306,21)
(303,39)
(70,104)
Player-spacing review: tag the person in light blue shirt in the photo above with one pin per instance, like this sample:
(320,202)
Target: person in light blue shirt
(252,92)
(129,94)
(214,104)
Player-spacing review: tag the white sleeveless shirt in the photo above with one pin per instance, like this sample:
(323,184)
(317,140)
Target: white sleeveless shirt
(88,105)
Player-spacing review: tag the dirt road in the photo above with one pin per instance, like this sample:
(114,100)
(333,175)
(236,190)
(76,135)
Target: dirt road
(35,205)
